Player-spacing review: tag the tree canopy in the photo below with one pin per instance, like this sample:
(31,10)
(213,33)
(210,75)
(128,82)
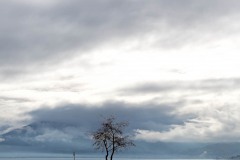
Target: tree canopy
(110,138)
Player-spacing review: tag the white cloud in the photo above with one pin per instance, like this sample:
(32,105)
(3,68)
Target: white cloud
(54,136)
(211,126)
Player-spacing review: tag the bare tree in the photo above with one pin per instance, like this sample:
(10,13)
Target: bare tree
(109,137)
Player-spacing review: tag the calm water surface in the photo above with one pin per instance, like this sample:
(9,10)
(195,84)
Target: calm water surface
(84,158)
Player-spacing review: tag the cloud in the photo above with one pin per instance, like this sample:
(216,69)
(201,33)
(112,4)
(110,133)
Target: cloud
(213,102)
(205,130)
(14,99)
(60,87)
(150,122)
(208,85)
(210,125)
(52,33)
(147,116)
(53,135)
(35,33)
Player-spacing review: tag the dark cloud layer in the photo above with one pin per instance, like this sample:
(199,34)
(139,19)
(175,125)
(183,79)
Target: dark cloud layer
(141,116)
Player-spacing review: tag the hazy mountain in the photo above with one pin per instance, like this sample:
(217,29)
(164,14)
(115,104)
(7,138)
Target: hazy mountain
(47,137)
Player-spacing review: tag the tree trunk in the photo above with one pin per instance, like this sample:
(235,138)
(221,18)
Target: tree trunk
(106,157)
(106,148)
(113,147)
(112,154)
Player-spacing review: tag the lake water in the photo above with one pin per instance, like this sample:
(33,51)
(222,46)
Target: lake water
(84,158)
(62,158)
(51,156)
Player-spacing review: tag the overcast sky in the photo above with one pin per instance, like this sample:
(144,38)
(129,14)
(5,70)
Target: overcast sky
(175,60)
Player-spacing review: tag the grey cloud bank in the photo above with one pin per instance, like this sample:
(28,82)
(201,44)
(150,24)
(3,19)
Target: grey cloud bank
(44,34)
(146,116)
(149,122)
(209,85)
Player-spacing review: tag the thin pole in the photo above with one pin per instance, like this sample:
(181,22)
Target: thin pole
(74,154)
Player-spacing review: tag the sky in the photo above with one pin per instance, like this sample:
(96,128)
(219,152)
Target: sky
(171,68)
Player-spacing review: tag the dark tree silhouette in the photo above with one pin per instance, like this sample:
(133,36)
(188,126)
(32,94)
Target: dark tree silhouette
(109,137)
